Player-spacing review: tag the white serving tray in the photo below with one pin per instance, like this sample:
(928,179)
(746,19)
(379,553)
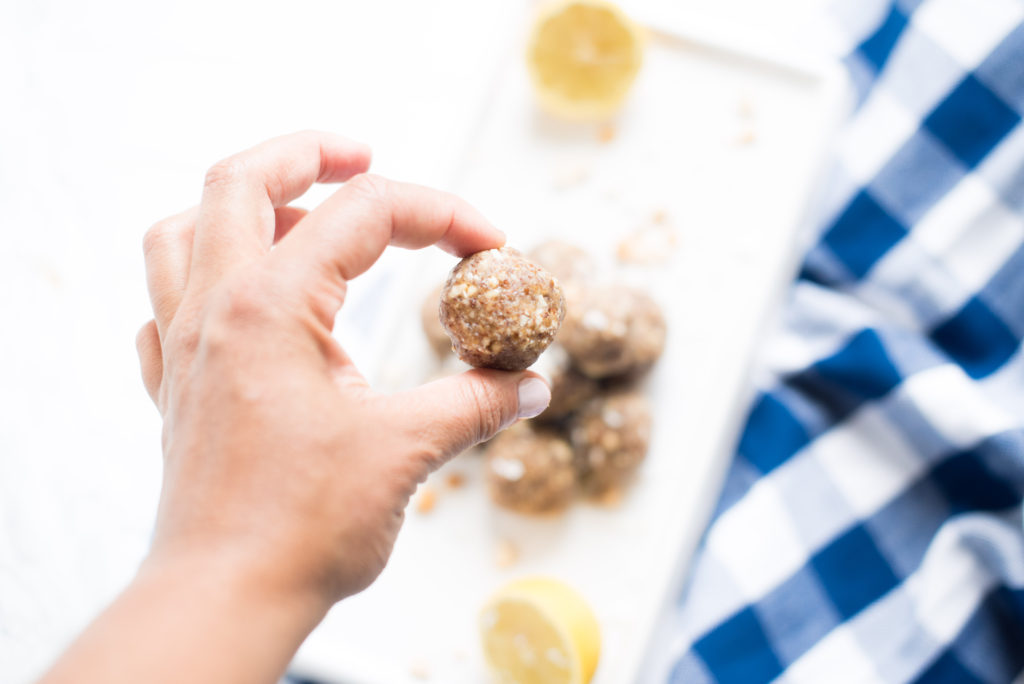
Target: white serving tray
(725,137)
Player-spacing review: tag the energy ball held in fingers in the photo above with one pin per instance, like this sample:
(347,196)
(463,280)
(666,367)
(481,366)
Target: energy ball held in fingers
(501,310)
(530,470)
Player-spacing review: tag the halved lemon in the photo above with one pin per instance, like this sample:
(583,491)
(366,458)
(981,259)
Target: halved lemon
(538,630)
(583,56)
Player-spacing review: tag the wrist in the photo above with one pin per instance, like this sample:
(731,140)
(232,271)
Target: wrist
(229,580)
(194,617)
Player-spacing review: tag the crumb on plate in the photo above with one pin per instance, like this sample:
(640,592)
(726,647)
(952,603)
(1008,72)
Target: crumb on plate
(746,137)
(420,669)
(612,498)
(506,554)
(427,500)
(648,244)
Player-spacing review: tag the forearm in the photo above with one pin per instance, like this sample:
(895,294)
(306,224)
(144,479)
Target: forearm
(192,621)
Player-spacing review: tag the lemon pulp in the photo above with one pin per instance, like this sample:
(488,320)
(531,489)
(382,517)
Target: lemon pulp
(540,631)
(583,57)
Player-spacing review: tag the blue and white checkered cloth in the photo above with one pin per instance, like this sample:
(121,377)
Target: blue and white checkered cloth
(870,529)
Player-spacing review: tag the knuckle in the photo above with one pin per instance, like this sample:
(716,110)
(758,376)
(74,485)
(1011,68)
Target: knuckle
(370,186)
(226,172)
(144,338)
(239,310)
(429,455)
(183,340)
(217,339)
(159,234)
(488,407)
(241,299)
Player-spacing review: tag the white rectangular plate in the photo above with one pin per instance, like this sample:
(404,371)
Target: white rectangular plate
(725,140)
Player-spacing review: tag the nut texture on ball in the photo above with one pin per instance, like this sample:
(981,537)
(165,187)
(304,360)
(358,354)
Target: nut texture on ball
(500,309)
(610,436)
(530,470)
(613,330)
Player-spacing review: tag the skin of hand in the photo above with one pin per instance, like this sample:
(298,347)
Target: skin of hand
(285,475)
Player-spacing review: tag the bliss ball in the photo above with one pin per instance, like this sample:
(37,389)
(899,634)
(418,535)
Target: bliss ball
(610,436)
(500,309)
(567,262)
(570,389)
(574,267)
(530,469)
(614,330)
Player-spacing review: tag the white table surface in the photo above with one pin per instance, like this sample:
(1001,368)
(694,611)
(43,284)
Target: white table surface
(112,111)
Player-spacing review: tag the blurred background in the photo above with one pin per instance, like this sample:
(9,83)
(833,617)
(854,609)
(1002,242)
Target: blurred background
(113,111)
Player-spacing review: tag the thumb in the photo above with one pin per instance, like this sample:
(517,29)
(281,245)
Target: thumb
(457,412)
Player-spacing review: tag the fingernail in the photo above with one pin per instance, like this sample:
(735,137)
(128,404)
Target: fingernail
(534,397)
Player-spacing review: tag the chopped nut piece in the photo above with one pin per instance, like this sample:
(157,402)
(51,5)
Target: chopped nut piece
(648,245)
(420,669)
(746,137)
(426,501)
(506,554)
(611,498)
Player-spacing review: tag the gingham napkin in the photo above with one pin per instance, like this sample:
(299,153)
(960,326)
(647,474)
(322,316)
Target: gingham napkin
(871,523)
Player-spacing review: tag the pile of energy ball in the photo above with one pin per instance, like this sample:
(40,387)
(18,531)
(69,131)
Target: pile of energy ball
(592,338)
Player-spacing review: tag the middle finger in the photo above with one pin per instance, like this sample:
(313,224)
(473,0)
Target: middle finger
(236,216)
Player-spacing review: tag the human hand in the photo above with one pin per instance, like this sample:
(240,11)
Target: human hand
(278,457)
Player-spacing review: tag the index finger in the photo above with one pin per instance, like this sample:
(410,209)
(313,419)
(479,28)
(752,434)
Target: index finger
(346,234)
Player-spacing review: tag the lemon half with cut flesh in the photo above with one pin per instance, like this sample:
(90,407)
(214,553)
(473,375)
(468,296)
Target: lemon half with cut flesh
(539,630)
(583,56)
